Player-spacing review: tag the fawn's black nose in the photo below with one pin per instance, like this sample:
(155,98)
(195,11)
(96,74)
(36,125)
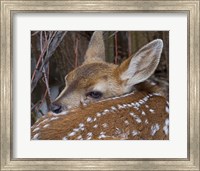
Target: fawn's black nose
(56,108)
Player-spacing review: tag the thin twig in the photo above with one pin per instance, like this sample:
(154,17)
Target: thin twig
(76,53)
(129,44)
(116,49)
(44,69)
(36,32)
(53,43)
(39,60)
(35,105)
(47,84)
(113,34)
(41,43)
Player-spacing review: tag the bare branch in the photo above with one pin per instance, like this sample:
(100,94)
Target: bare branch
(48,49)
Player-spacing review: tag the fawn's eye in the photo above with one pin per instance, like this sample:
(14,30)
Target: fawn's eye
(95,94)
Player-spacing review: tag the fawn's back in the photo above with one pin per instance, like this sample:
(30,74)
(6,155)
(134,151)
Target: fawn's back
(136,116)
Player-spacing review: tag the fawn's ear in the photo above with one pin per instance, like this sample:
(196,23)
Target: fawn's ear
(141,66)
(96,49)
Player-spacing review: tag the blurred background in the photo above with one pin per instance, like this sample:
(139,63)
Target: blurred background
(56,53)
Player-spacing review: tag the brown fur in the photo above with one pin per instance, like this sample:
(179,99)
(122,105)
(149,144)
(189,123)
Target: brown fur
(116,120)
(84,78)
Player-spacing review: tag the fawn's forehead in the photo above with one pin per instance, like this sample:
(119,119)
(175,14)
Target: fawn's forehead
(88,75)
(90,71)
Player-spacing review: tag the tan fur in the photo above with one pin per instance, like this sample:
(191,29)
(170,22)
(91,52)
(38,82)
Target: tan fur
(84,78)
(96,49)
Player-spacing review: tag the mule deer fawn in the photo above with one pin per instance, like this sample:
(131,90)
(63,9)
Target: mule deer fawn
(106,101)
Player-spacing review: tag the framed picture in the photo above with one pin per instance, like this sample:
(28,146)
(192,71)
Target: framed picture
(43,41)
(103,108)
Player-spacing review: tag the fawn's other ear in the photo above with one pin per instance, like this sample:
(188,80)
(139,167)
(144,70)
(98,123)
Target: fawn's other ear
(96,49)
(141,66)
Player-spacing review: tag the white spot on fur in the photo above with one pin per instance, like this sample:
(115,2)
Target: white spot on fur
(166,127)
(136,108)
(126,122)
(141,101)
(125,106)
(79,137)
(154,129)
(118,131)
(54,118)
(105,125)
(36,129)
(82,128)
(117,97)
(156,94)
(102,135)
(124,135)
(120,106)
(133,104)
(89,119)
(167,109)
(137,104)
(45,126)
(147,106)
(45,120)
(98,114)
(35,137)
(136,117)
(95,126)
(71,134)
(146,121)
(129,105)
(146,98)
(105,111)
(134,133)
(76,129)
(143,113)
(114,108)
(64,138)
(89,135)
(81,125)
(151,110)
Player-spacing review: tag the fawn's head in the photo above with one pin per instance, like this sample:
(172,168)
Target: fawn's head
(96,79)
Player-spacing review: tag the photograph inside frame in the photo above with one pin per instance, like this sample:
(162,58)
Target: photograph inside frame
(99,85)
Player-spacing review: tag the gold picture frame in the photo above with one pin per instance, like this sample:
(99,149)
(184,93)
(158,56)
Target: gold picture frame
(10,8)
